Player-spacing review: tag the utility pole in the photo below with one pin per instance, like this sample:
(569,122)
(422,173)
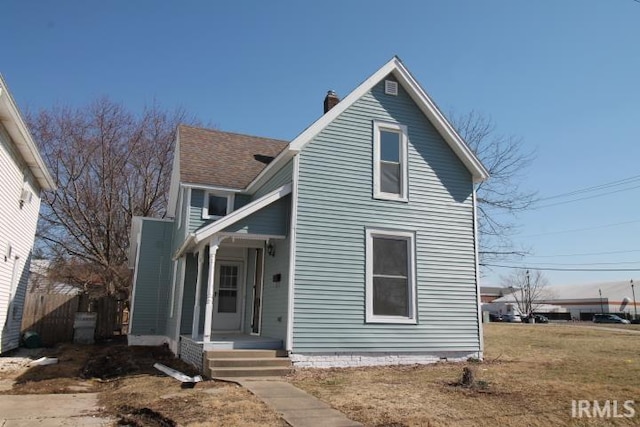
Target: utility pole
(635,310)
(601,307)
(529,305)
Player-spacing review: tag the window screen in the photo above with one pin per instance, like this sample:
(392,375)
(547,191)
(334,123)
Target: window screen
(217,205)
(390,277)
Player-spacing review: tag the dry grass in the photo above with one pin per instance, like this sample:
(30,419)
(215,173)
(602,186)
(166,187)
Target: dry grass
(529,377)
(136,394)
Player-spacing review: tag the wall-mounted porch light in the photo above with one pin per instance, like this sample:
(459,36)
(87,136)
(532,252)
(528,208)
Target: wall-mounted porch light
(271,250)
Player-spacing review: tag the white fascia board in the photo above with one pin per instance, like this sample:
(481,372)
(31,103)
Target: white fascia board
(207,232)
(419,96)
(438,120)
(136,226)
(15,125)
(211,188)
(188,242)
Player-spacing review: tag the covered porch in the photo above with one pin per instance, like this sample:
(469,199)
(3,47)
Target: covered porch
(235,272)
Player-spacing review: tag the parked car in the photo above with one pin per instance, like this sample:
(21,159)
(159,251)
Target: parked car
(609,318)
(511,318)
(495,317)
(539,318)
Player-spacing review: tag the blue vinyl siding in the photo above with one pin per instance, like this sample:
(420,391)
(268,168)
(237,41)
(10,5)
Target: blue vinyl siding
(271,220)
(153,279)
(280,178)
(240,200)
(336,204)
(195,210)
(276,294)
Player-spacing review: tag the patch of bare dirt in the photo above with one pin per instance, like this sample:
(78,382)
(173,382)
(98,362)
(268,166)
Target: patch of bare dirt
(133,392)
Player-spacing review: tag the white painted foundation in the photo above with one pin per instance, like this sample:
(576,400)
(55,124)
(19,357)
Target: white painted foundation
(352,360)
(151,340)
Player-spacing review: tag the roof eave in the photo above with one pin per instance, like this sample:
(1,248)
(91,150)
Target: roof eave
(17,129)
(419,96)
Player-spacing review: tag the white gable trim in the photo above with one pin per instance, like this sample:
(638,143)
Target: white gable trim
(207,232)
(17,129)
(419,96)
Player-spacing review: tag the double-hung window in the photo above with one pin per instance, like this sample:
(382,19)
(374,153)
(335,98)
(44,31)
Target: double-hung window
(390,270)
(390,168)
(217,205)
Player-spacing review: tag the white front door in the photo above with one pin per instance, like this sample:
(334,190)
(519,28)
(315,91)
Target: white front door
(227,313)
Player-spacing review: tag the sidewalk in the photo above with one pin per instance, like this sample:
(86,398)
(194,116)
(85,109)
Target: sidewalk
(297,407)
(51,410)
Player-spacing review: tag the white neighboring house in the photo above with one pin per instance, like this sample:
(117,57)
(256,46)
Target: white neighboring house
(23,175)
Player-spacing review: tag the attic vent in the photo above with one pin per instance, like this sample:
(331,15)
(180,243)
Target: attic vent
(391,87)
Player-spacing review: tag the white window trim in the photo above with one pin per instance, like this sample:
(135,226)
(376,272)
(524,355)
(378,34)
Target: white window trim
(205,205)
(404,173)
(410,237)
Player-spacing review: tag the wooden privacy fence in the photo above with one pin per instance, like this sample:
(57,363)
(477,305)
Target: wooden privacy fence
(52,316)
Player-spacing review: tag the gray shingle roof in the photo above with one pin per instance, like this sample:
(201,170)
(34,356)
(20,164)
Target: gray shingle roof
(223,159)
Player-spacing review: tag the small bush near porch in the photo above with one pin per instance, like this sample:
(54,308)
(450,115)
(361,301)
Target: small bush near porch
(530,376)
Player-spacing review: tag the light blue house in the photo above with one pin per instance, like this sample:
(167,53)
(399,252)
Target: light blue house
(354,244)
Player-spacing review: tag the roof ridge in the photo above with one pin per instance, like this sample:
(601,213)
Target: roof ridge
(232,133)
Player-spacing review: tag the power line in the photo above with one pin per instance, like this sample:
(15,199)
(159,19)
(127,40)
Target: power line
(585,198)
(575,230)
(559,269)
(583,254)
(585,263)
(594,188)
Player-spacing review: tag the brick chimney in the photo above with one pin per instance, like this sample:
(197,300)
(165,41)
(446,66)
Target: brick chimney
(330,101)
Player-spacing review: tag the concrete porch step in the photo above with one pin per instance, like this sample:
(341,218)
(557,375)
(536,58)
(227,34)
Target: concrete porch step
(246,362)
(258,371)
(240,354)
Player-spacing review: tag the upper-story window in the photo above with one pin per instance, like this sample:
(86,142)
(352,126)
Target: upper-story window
(217,205)
(390,166)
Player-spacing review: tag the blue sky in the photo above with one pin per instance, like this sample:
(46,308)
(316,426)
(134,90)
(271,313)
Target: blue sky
(562,75)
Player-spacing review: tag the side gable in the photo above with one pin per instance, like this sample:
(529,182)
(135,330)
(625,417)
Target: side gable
(419,96)
(422,100)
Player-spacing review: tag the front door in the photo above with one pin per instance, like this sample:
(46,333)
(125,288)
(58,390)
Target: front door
(228,293)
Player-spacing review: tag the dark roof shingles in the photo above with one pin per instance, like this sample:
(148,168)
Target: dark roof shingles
(223,159)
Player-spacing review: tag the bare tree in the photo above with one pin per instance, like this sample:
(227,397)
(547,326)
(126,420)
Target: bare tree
(501,197)
(528,289)
(110,164)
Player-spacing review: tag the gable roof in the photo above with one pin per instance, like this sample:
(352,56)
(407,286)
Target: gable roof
(17,129)
(223,159)
(419,96)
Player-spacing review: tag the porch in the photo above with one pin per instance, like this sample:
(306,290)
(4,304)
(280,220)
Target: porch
(194,351)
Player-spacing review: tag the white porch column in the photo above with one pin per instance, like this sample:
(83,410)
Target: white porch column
(208,314)
(196,307)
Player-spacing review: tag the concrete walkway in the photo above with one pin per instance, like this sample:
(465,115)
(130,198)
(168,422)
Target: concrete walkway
(51,410)
(297,407)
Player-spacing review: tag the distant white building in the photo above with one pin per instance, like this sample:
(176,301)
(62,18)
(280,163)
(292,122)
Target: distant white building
(582,300)
(23,175)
